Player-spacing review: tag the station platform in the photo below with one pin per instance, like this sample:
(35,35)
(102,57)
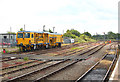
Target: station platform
(115,76)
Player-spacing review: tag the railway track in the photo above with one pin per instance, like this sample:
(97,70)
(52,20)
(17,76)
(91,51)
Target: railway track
(23,70)
(78,53)
(42,73)
(100,71)
(43,51)
(17,64)
(74,51)
(21,67)
(60,49)
(35,72)
(97,48)
(45,71)
(7,59)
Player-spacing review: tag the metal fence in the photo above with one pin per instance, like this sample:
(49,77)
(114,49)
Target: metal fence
(7,43)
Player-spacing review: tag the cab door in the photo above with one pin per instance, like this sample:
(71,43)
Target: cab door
(32,38)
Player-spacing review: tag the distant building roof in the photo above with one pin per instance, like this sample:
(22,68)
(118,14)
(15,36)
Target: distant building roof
(6,34)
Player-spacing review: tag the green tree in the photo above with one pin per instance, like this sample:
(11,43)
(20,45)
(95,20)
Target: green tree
(21,29)
(118,36)
(68,31)
(11,33)
(87,33)
(75,32)
(50,31)
(111,35)
(72,33)
(69,34)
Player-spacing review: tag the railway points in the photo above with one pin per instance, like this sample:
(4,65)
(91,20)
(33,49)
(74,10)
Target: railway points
(100,70)
(44,66)
(59,41)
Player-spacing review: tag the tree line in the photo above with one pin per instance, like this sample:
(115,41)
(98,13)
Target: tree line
(75,34)
(108,36)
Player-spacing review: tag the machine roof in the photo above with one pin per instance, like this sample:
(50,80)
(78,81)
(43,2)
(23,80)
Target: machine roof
(31,31)
(41,32)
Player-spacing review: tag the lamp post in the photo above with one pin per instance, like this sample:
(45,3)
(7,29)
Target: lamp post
(53,29)
(96,36)
(104,36)
(53,34)
(43,28)
(24,27)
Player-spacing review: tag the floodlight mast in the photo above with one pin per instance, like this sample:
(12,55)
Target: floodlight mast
(43,28)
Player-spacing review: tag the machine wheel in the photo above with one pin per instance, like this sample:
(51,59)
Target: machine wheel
(59,45)
(54,46)
(49,46)
(32,48)
(29,48)
(22,49)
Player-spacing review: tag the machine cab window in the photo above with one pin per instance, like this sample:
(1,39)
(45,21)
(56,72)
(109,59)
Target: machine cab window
(27,35)
(32,35)
(20,35)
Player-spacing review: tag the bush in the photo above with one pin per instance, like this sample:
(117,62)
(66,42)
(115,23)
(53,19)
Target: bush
(26,58)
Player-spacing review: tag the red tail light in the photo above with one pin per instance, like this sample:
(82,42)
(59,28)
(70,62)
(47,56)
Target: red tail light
(17,41)
(29,41)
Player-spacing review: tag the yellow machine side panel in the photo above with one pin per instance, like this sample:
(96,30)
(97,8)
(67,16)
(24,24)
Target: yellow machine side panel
(24,41)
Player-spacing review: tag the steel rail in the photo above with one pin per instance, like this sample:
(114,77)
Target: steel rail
(24,68)
(8,59)
(27,74)
(97,50)
(87,72)
(77,54)
(13,79)
(105,77)
(90,69)
(19,65)
(58,70)
(74,51)
(90,50)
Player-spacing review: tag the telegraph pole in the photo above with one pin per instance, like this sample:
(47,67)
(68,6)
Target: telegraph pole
(24,27)
(96,36)
(53,32)
(104,36)
(84,34)
(10,29)
(63,31)
(43,28)
(53,29)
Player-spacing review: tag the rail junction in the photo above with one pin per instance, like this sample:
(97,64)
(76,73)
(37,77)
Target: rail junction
(75,62)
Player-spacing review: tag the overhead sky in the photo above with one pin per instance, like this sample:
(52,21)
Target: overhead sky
(83,15)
